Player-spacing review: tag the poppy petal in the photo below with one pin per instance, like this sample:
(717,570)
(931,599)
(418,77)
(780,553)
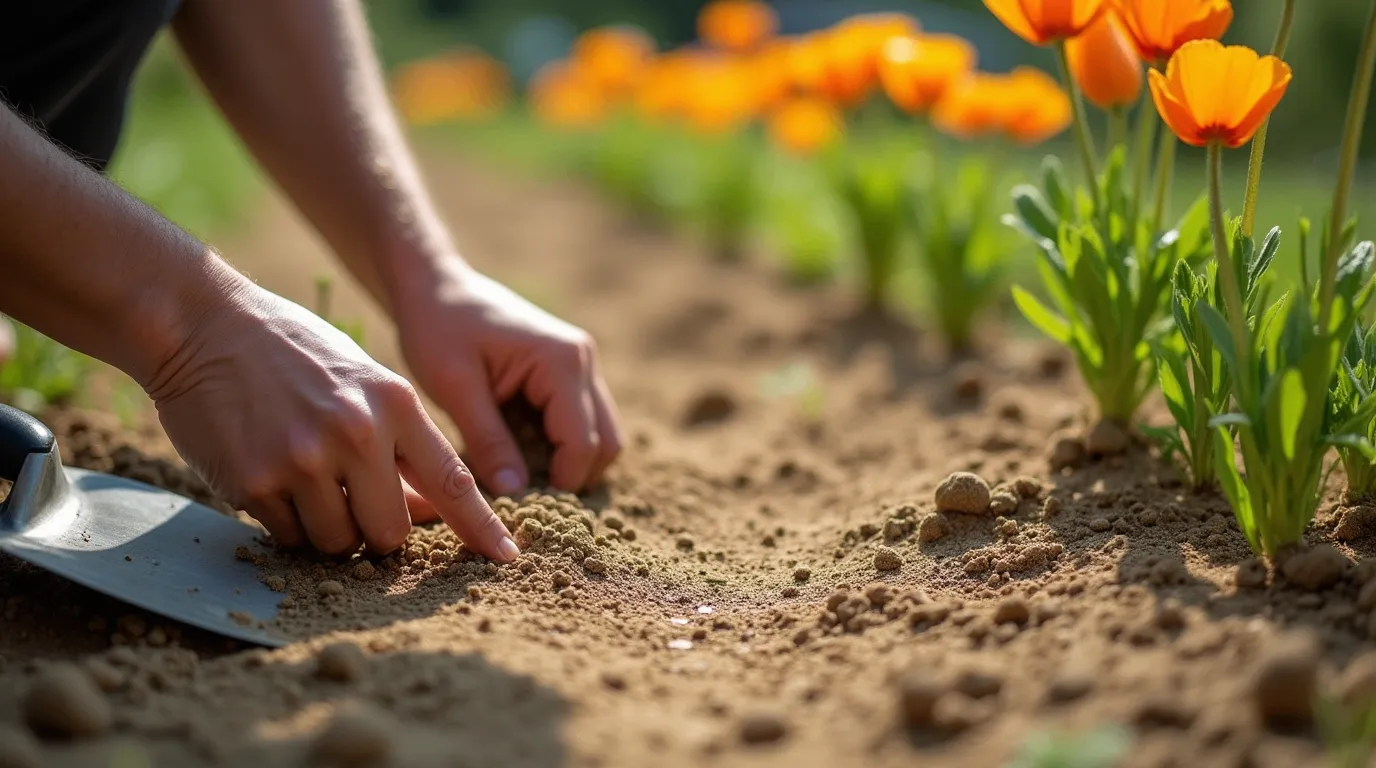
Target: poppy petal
(1013,16)
(1176,116)
(1278,74)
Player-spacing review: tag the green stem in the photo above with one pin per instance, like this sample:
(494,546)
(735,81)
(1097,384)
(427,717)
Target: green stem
(1146,131)
(1232,292)
(1347,167)
(1249,205)
(1077,108)
(1117,130)
(1165,168)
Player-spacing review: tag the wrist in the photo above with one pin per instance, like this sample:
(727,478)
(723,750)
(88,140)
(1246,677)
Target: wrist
(170,324)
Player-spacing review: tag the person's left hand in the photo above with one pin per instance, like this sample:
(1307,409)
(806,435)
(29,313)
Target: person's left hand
(472,344)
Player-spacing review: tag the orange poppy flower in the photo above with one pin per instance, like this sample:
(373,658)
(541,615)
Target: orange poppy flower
(1046,21)
(806,62)
(563,96)
(465,84)
(736,25)
(916,70)
(1105,64)
(719,96)
(769,70)
(1160,27)
(613,57)
(1216,93)
(850,54)
(973,107)
(805,125)
(1037,109)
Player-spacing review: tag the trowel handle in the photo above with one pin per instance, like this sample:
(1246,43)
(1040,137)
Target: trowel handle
(20,435)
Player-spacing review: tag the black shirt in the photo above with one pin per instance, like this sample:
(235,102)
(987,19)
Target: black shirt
(67,65)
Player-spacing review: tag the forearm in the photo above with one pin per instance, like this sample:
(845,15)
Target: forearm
(300,83)
(90,266)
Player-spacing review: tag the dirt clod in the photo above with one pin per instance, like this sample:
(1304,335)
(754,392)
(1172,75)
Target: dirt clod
(18,749)
(712,406)
(364,570)
(802,573)
(1067,452)
(887,559)
(1027,487)
(594,565)
(63,702)
(763,728)
(1251,573)
(357,735)
(1012,610)
(341,662)
(1106,438)
(1286,681)
(918,692)
(930,529)
(1356,523)
(1317,567)
(962,492)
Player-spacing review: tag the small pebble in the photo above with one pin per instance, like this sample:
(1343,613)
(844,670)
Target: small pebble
(63,702)
(341,662)
(887,559)
(593,565)
(802,574)
(364,571)
(962,492)
(329,588)
(763,728)
(357,735)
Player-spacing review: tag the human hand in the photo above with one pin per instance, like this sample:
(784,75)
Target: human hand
(473,344)
(288,419)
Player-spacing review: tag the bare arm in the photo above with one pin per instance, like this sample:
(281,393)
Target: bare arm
(301,85)
(271,405)
(300,82)
(87,264)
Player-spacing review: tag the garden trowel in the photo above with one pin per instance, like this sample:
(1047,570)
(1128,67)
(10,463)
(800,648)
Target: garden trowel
(140,544)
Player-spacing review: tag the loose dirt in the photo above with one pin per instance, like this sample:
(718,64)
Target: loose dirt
(769,577)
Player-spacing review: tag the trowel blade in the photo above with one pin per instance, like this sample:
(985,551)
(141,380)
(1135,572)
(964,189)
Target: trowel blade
(156,550)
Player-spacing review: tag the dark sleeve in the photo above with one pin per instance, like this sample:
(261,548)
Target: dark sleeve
(67,65)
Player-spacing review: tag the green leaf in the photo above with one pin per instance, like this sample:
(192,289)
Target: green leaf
(1356,443)
(1230,420)
(1037,313)
(1220,335)
(1292,404)
(1175,387)
(1234,488)
(1270,245)
(1034,212)
(1054,180)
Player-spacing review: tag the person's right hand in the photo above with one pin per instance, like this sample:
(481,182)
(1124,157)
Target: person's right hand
(288,419)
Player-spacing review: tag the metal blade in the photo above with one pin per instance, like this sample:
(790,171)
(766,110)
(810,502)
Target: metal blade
(156,550)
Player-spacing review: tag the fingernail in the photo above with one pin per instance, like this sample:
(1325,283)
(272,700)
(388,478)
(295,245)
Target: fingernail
(507,481)
(508,550)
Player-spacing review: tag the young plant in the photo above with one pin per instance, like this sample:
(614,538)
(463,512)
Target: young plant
(959,243)
(42,372)
(1108,277)
(1351,395)
(1193,380)
(872,185)
(728,196)
(1348,729)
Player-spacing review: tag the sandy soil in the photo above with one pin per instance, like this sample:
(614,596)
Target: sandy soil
(767,579)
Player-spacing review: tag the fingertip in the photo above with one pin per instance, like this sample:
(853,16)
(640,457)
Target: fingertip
(507,550)
(509,481)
